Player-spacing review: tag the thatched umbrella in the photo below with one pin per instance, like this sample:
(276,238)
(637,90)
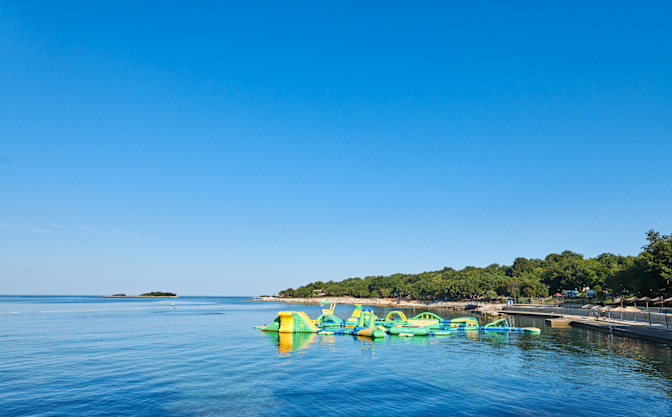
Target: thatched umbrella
(634,311)
(619,300)
(607,309)
(667,300)
(633,300)
(588,306)
(621,309)
(658,299)
(646,299)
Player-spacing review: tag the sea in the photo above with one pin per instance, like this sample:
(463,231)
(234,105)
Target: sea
(101,356)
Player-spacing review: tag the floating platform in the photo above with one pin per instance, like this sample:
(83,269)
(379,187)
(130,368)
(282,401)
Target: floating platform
(396,318)
(559,322)
(500,325)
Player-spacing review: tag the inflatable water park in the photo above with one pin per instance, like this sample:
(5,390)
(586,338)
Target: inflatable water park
(363,322)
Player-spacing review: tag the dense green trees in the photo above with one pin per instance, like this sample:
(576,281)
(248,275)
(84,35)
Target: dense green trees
(648,273)
(657,256)
(158,294)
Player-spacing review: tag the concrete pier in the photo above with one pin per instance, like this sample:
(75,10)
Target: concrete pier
(642,331)
(559,322)
(657,331)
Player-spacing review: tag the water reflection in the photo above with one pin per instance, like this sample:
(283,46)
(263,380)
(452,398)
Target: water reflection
(499,339)
(569,347)
(367,345)
(210,365)
(291,342)
(415,340)
(327,340)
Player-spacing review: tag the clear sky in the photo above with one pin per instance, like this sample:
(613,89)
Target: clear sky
(241,148)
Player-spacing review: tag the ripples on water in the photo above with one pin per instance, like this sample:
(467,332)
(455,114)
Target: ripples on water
(75,356)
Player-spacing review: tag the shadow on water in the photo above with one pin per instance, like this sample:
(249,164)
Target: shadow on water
(415,340)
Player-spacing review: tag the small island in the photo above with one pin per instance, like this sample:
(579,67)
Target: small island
(158,294)
(118,295)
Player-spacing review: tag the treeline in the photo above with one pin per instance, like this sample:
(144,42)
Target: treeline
(158,294)
(649,273)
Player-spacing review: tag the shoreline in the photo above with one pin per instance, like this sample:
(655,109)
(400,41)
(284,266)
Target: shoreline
(385,302)
(141,296)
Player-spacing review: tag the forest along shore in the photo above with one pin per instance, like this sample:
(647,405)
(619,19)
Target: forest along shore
(385,302)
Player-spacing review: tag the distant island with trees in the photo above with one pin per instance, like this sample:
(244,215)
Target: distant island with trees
(649,273)
(149,294)
(158,294)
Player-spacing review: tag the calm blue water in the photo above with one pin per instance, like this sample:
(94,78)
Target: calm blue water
(75,356)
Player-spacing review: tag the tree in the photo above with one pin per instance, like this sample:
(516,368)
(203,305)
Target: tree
(521,266)
(648,272)
(598,292)
(658,255)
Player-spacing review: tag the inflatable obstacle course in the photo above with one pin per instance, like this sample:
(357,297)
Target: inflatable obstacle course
(419,331)
(426,319)
(392,318)
(463,322)
(396,318)
(354,318)
(327,309)
(291,322)
(363,322)
(408,329)
(273,326)
(468,324)
(429,324)
(328,321)
(503,325)
(367,325)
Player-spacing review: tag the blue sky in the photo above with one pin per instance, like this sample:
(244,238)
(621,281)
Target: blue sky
(245,147)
